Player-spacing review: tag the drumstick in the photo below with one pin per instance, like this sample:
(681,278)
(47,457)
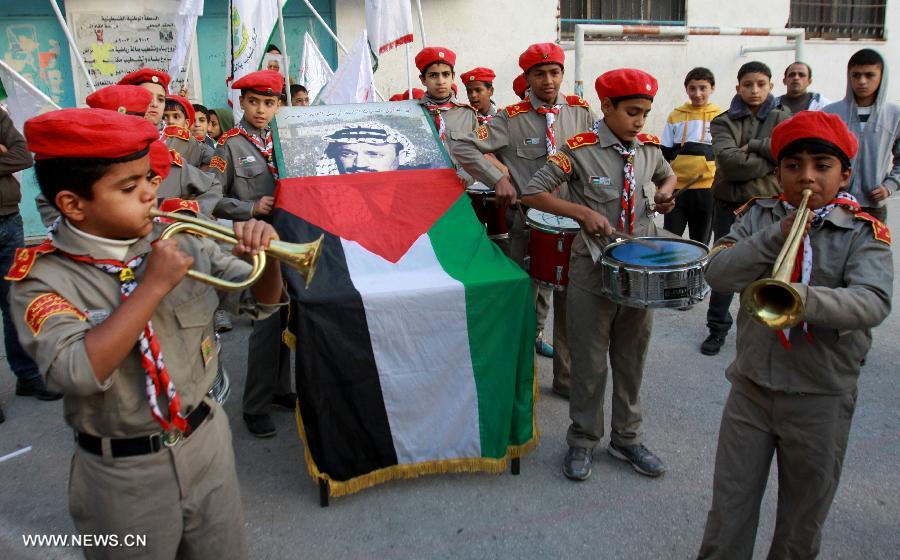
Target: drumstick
(688,185)
(639,240)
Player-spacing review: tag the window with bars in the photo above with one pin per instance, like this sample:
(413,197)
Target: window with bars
(839,19)
(628,12)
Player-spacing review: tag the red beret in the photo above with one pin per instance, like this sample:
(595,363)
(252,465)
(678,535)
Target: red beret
(404,95)
(160,159)
(88,133)
(266,82)
(189,113)
(479,75)
(454,89)
(541,53)
(430,55)
(626,82)
(520,84)
(145,75)
(124,99)
(814,125)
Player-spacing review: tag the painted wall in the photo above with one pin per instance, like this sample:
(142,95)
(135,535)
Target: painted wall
(493,34)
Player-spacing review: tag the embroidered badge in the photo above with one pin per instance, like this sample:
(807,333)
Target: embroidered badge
(218,163)
(45,306)
(481,132)
(207,350)
(247,160)
(600,181)
(562,161)
(97,316)
(879,230)
(531,141)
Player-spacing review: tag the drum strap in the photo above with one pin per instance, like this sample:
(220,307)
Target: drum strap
(803,265)
(626,215)
(550,113)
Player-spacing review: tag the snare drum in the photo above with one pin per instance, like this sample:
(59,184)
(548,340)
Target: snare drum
(549,246)
(489,213)
(671,275)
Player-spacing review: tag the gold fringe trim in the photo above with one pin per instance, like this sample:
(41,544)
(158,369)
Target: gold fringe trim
(445,466)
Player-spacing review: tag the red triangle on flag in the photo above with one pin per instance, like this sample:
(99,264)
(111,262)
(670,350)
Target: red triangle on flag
(385,212)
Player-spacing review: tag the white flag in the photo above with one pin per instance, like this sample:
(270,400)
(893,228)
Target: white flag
(389,24)
(314,69)
(185,29)
(23,99)
(353,81)
(252,24)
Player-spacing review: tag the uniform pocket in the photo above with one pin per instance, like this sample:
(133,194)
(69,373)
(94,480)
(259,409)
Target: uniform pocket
(248,172)
(649,191)
(198,340)
(532,152)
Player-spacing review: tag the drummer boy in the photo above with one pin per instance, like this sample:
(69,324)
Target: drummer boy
(798,402)
(105,310)
(614,182)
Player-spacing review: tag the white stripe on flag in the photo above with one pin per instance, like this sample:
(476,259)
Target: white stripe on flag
(417,325)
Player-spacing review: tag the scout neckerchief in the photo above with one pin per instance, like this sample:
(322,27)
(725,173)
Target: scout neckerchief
(550,112)
(265,149)
(151,354)
(803,264)
(437,108)
(626,215)
(484,119)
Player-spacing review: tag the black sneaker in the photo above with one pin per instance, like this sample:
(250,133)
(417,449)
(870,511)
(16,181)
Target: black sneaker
(712,344)
(641,458)
(287,400)
(577,464)
(260,425)
(36,388)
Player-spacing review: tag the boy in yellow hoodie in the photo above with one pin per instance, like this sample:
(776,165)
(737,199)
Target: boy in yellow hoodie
(687,145)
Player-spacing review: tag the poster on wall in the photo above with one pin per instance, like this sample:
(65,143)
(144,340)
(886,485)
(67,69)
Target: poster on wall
(36,49)
(113,45)
(359,138)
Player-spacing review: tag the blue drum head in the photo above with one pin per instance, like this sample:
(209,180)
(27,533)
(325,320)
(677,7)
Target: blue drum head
(667,252)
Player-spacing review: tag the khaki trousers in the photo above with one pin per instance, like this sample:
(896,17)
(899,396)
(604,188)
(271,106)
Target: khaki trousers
(185,499)
(808,434)
(597,326)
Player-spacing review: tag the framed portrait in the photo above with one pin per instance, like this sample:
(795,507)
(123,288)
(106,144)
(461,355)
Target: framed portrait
(360,138)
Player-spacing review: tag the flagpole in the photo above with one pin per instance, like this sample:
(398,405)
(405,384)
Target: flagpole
(187,63)
(408,73)
(284,58)
(72,45)
(422,23)
(335,37)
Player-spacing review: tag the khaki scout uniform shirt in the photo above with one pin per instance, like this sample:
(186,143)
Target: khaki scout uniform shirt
(192,150)
(243,172)
(458,122)
(595,173)
(60,300)
(849,292)
(517,136)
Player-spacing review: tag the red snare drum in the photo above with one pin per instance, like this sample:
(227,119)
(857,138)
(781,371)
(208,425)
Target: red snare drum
(549,247)
(490,214)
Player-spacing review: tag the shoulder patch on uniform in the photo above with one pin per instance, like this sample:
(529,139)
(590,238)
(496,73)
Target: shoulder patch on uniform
(562,161)
(746,206)
(173,131)
(180,205)
(176,158)
(481,132)
(879,229)
(229,134)
(218,162)
(465,106)
(582,139)
(24,260)
(45,306)
(647,138)
(575,101)
(518,108)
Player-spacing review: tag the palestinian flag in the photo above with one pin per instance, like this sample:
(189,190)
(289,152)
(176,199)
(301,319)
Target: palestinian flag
(414,342)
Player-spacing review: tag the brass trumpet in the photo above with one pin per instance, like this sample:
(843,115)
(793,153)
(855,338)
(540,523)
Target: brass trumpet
(302,257)
(773,302)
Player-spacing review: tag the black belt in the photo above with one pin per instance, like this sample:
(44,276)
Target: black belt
(128,447)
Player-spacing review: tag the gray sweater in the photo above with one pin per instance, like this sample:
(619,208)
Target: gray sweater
(878,160)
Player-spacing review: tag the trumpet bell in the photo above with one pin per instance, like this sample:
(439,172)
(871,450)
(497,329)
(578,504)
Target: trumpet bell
(773,303)
(302,257)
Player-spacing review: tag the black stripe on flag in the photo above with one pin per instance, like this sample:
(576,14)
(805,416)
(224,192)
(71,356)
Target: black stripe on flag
(337,381)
